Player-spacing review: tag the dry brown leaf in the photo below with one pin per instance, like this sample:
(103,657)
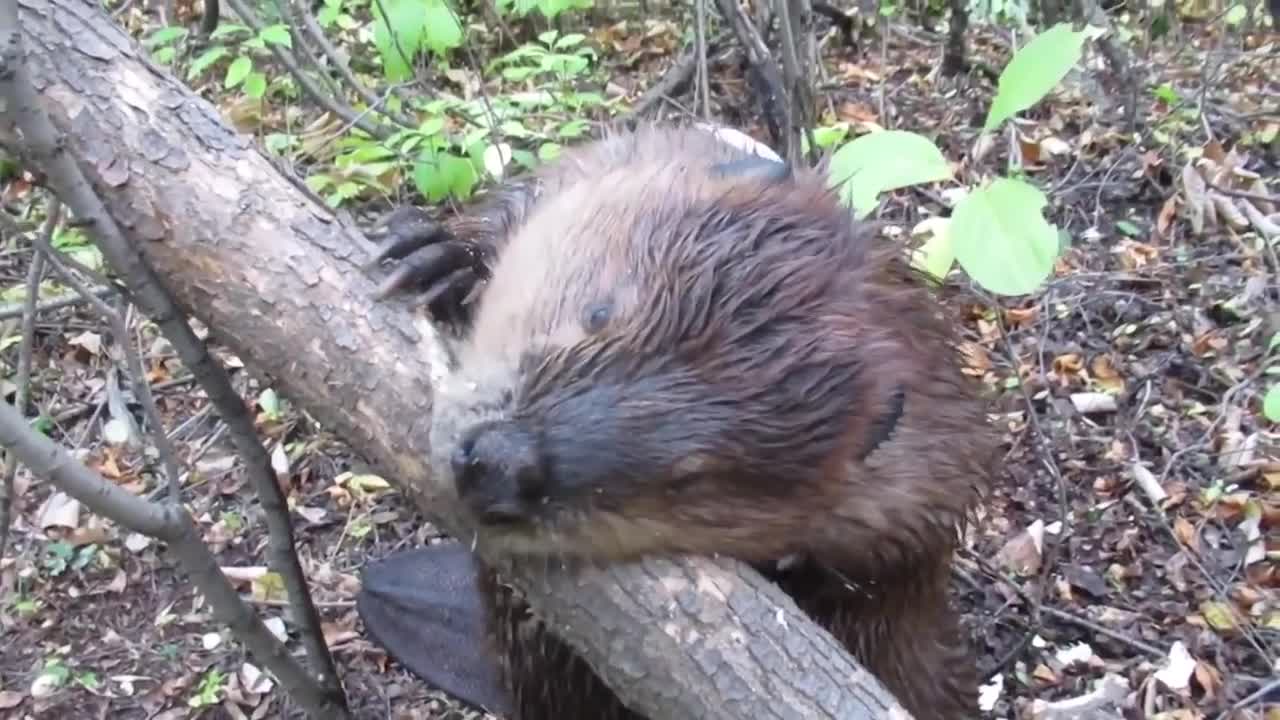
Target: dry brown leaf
(975,357)
(1226,208)
(1186,534)
(1194,188)
(1134,255)
(1030,151)
(1045,674)
(1214,151)
(1208,343)
(1022,554)
(1105,373)
(1022,317)
(1068,365)
(1164,220)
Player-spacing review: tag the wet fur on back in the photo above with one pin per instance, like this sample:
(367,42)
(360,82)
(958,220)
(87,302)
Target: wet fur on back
(716,364)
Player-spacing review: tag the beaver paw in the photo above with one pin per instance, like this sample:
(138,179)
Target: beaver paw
(431,262)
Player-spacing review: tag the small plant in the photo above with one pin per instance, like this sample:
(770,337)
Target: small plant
(420,26)
(562,57)
(996,232)
(209,691)
(548,8)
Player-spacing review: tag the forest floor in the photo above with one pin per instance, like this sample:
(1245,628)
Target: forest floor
(1142,373)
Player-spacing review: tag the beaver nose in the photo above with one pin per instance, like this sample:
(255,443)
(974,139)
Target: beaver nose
(498,471)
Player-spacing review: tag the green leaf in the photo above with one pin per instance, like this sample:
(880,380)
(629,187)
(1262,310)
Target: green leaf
(255,86)
(269,401)
(516,74)
(205,59)
(937,254)
(881,161)
(1271,403)
(569,40)
(1034,71)
(828,136)
(436,177)
(164,36)
(1128,228)
(1001,238)
(406,17)
(237,71)
(277,35)
(442,30)
(227,29)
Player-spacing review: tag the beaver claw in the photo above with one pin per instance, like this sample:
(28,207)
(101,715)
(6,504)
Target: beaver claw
(440,268)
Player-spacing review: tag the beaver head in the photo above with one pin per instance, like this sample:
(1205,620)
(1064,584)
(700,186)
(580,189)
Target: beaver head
(673,359)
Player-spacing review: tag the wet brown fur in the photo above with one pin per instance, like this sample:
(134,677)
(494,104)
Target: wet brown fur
(753,335)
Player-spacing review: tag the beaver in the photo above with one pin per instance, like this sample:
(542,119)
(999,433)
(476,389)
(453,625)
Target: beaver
(668,342)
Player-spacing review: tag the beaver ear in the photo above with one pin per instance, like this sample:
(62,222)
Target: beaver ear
(753,166)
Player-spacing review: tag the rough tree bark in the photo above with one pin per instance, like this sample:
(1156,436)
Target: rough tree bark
(277,278)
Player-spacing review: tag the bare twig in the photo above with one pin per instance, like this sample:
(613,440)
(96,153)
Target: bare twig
(169,523)
(313,31)
(22,378)
(16,309)
(333,105)
(69,183)
(775,95)
(672,84)
(700,52)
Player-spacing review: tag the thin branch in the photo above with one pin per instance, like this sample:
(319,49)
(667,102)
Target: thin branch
(700,53)
(71,186)
(169,523)
(22,378)
(760,59)
(16,309)
(337,107)
(313,30)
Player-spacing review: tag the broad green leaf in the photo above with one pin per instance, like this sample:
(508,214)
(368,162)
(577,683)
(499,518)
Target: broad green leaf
(1271,403)
(1001,238)
(573,129)
(1034,71)
(442,30)
(164,36)
(255,86)
(277,35)
(436,177)
(227,29)
(400,46)
(827,136)
(205,59)
(569,40)
(432,126)
(881,161)
(516,74)
(937,254)
(237,71)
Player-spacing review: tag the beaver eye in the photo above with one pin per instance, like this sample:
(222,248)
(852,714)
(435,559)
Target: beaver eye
(596,315)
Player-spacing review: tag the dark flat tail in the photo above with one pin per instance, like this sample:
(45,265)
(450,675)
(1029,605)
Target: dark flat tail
(422,606)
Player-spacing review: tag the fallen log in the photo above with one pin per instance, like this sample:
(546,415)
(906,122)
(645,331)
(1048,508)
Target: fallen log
(278,279)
